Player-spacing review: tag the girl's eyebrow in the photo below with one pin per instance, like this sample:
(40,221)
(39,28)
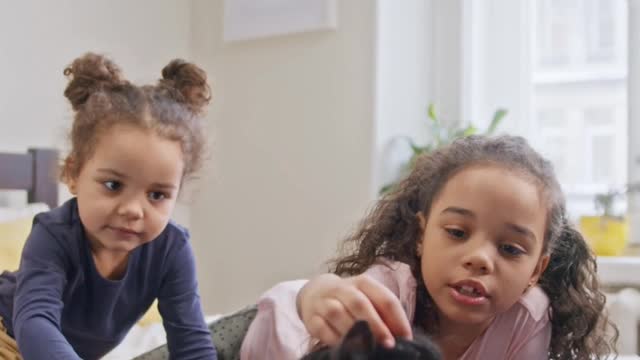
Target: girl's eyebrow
(163,186)
(522,230)
(459,211)
(112,172)
(168,186)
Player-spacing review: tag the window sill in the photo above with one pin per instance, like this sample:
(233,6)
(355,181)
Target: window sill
(619,271)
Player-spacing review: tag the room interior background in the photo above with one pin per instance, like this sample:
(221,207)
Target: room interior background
(304,123)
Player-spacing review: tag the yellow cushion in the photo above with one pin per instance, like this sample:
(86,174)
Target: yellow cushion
(13,235)
(151,316)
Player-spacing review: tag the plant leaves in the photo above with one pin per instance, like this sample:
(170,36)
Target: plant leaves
(441,134)
(385,189)
(470,130)
(418,150)
(415,148)
(431,112)
(497,118)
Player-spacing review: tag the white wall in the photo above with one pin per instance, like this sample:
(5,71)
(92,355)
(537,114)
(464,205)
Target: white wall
(403,74)
(292,119)
(39,38)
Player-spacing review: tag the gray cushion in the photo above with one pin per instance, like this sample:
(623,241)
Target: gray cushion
(227,334)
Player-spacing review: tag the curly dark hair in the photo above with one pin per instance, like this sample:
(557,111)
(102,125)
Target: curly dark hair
(392,229)
(101,97)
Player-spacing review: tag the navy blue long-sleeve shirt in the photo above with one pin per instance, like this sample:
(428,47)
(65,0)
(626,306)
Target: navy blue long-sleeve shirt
(57,305)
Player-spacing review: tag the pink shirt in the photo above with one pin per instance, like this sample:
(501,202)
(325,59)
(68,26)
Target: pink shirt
(522,332)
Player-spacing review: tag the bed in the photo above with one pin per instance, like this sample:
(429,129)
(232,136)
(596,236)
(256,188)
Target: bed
(34,172)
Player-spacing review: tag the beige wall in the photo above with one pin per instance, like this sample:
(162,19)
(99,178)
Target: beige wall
(39,38)
(292,122)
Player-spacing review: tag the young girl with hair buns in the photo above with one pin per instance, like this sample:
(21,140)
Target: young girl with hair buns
(93,266)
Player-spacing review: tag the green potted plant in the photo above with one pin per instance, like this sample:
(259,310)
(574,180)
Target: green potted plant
(607,232)
(441,134)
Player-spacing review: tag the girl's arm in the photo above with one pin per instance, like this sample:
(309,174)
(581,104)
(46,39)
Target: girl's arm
(188,336)
(277,332)
(38,298)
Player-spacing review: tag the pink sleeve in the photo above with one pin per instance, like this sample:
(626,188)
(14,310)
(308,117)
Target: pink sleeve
(277,331)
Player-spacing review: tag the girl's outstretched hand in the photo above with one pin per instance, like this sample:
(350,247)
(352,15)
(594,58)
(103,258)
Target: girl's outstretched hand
(329,306)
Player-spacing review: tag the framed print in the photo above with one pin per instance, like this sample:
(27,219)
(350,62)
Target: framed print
(252,19)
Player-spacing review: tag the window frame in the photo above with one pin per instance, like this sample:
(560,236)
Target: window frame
(485,31)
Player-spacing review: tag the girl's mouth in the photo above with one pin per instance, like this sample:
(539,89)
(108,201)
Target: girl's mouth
(467,296)
(124,232)
(469,292)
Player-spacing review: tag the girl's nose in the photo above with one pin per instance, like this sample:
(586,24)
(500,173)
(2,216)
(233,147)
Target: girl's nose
(479,260)
(131,209)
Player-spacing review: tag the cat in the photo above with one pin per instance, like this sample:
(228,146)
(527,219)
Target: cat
(359,344)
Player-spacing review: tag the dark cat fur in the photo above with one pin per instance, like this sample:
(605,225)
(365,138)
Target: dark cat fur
(359,344)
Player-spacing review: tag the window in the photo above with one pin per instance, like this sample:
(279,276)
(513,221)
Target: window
(560,69)
(579,93)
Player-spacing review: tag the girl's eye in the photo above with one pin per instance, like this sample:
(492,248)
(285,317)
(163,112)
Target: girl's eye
(157,196)
(511,250)
(456,233)
(112,185)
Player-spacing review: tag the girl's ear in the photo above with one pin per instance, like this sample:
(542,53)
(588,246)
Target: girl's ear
(541,266)
(69,178)
(71,185)
(423,225)
(422,220)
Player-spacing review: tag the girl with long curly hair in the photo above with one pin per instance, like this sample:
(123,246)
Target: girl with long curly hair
(474,247)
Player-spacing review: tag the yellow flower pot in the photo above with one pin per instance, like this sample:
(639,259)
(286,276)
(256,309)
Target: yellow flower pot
(607,236)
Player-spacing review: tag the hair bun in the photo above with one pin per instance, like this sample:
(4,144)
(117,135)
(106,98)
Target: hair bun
(90,73)
(189,81)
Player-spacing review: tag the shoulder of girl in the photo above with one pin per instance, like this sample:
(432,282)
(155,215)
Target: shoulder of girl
(65,214)
(61,223)
(174,229)
(173,238)
(535,302)
(395,275)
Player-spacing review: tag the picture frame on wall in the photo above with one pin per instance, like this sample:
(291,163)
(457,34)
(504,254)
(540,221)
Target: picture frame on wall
(255,19)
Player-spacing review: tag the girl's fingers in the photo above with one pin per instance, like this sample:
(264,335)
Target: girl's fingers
(387,305)
(361,308)
(321,330)
(329,306)
(336,314)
